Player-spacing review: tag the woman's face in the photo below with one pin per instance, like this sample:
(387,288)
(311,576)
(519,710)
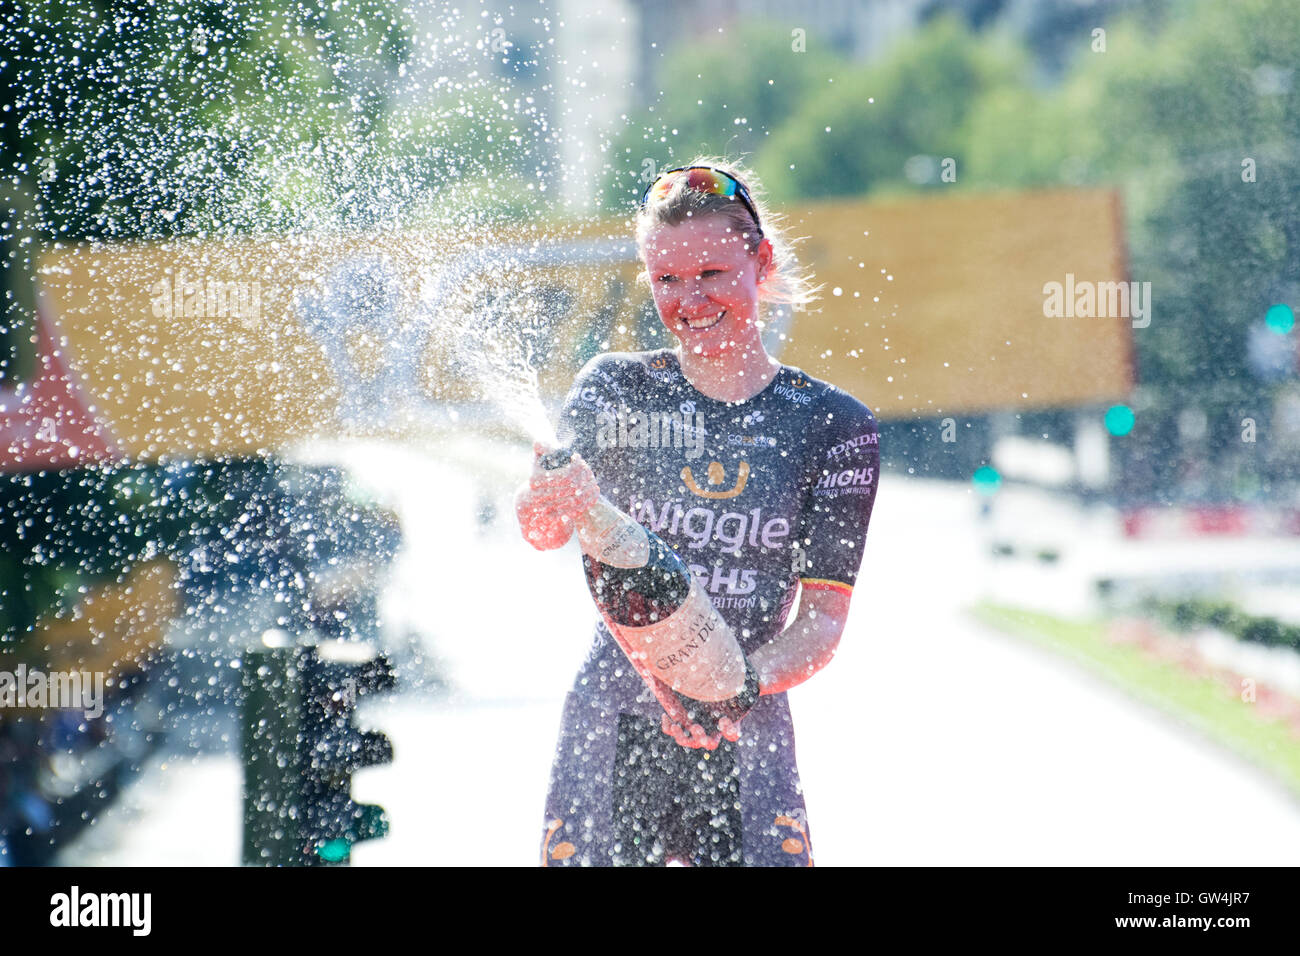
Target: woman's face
(705,283)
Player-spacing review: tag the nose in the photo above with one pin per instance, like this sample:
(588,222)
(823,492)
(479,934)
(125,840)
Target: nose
(694,297)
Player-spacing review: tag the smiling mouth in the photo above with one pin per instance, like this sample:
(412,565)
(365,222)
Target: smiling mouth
(704,321)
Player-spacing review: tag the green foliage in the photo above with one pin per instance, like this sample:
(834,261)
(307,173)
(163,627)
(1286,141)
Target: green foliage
(720,95)
(857,135)
(1227,617)
(218,117)
(212,118)
(135,119)
(1178,113)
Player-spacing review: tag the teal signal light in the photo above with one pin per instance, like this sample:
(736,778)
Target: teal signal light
(1280,318)
(986,480)
(1119,419)
(334,851)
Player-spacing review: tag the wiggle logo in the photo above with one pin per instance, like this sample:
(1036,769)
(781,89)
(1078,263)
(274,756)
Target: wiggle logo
(794,391)
(660,370)
(716,476)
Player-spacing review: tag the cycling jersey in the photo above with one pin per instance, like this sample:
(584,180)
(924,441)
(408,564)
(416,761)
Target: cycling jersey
(760,497)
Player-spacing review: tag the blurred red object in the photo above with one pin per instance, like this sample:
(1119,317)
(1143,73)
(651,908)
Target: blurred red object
(1197,520)
(47,422)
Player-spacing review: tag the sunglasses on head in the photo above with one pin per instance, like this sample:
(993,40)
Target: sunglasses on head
(705,179)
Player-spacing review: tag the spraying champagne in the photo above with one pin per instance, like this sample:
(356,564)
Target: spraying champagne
(659,613)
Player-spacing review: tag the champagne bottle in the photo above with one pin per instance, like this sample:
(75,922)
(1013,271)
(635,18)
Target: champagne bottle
(659,613)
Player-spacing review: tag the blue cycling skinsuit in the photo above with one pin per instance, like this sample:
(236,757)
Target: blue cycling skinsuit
(760,497)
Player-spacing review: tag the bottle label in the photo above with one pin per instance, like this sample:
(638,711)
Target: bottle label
(614,538)
(693,650)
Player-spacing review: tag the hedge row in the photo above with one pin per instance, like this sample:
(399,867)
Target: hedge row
(1185,615)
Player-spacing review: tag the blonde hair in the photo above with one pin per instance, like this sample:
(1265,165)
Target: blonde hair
(787,282)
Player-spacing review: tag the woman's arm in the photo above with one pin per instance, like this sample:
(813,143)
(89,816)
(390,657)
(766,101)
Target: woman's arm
(805,646)
(807,643)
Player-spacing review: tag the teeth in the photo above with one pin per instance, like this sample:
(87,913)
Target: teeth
(705,321)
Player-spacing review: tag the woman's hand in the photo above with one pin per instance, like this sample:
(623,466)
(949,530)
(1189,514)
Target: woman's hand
(695,737)
(676,722)
(551,501)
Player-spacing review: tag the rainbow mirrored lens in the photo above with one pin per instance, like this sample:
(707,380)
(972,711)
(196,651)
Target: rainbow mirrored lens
(704,178)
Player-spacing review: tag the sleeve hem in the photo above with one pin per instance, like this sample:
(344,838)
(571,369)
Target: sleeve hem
(826,584)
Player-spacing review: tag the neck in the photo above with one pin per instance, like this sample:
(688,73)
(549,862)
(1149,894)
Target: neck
(737,374)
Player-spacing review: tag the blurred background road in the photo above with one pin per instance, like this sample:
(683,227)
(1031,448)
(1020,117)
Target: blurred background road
(932,739)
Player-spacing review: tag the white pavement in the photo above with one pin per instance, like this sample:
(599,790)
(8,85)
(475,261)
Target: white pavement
(929,740)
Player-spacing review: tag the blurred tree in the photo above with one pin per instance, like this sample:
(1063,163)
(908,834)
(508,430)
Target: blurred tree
(150,119)
(722,95)
(153,119)
(1192,110)
(146,119)
(1208,147)
(1198,124)
(889,125)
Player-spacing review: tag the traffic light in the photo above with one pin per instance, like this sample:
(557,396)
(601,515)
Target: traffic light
(331,749)
(301,747)
(270,717)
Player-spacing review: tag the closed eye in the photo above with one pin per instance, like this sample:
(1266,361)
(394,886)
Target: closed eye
(706,274)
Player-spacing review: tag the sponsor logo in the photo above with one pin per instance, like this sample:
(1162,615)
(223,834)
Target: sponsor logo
(660,371)
(592,399)
(721,601)
(853,444)
(626,428)
(753,441)
(561,851)
(732,529)
(737,583)
(848,481)
(791,393)
(735,580)
(797,843)
(716,476)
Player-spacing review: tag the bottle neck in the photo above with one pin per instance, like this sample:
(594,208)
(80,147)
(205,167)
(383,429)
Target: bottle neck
(613,537)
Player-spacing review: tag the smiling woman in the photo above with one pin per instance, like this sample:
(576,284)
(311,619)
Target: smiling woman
(776,506)
(712,254)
